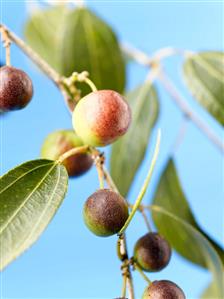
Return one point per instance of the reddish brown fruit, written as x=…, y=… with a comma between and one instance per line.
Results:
x=105, y=212
x=163, y=289
x=152, y=252
x=16, y=89
x=59, y=142
x=101, y=117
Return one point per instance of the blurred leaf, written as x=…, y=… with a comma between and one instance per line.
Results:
x=210, y=292
x=170, y=196
x=204, y=76
x=89, y=44
x=195, y=243
x=77, y=40
x=43, y=33
x=30, y=195
x=129, y=151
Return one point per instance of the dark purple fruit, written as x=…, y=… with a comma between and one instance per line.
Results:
x=105, y=212
x=163, y=289
x=152, y=252
x=59, y=142
x=16, y=89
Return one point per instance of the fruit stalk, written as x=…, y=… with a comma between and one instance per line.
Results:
x=7, y=43
x=73, y=151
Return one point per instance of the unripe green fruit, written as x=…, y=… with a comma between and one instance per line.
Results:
x=105, y=212
x=59, y=142
x=101, y=117
x=16, y=89
x=163, y=289
x=152, y=252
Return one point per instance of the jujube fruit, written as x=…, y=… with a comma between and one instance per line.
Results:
x=101, y=117
x=16, y=89
x=105, y=212
x=163, y=289
x=59, y=142
x=152, y=252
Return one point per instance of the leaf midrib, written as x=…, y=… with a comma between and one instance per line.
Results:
x=25, y=241
x=27, y=198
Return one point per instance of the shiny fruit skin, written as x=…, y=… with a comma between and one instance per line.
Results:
x=152, y=252
x=105, y=212
x=101, y=117
x=16, y=89
x=59, y=142
x=163, y=289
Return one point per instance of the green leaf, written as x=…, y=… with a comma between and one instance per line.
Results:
x=88, y=43
x=129, y=151
x=30, y=195
x=76, y=40
x=170, y=196
x=43, y=33
x=195, y=243
x=204, y=76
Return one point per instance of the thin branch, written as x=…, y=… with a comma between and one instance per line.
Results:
x=41, y=63
x=180, y=135
x=183, y=105
x=148, y=61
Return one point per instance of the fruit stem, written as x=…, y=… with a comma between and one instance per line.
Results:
x=142, y=211
x=73, y=151
x=124, y=286
x=145, y=184
x=6, y=43
x=91, y=84
x=142, y=273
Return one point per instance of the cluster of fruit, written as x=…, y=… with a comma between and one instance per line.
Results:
x=98, y=119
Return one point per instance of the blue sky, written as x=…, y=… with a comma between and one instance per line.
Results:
x=68, y=261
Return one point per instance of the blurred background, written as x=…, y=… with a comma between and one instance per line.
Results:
x=68, y=261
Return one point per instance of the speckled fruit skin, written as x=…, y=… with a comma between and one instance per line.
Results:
x=59, y=142
x=105, y=212
x=101, y=117
x=163, y=289
x=16, y=89
x=152, y=252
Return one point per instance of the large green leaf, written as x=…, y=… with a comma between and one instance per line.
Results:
x=89, y=44
x=43, y=33
x=30, y=194
x=128, y=152
x=77, y=40
x=170, y=196
x=195, y=243
x=204, y=76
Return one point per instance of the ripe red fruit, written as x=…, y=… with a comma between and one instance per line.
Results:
x=59, y=142
x=163, y=289
x=16, y=89
x=101, y=117
x=105, y=212
x=152, y=252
